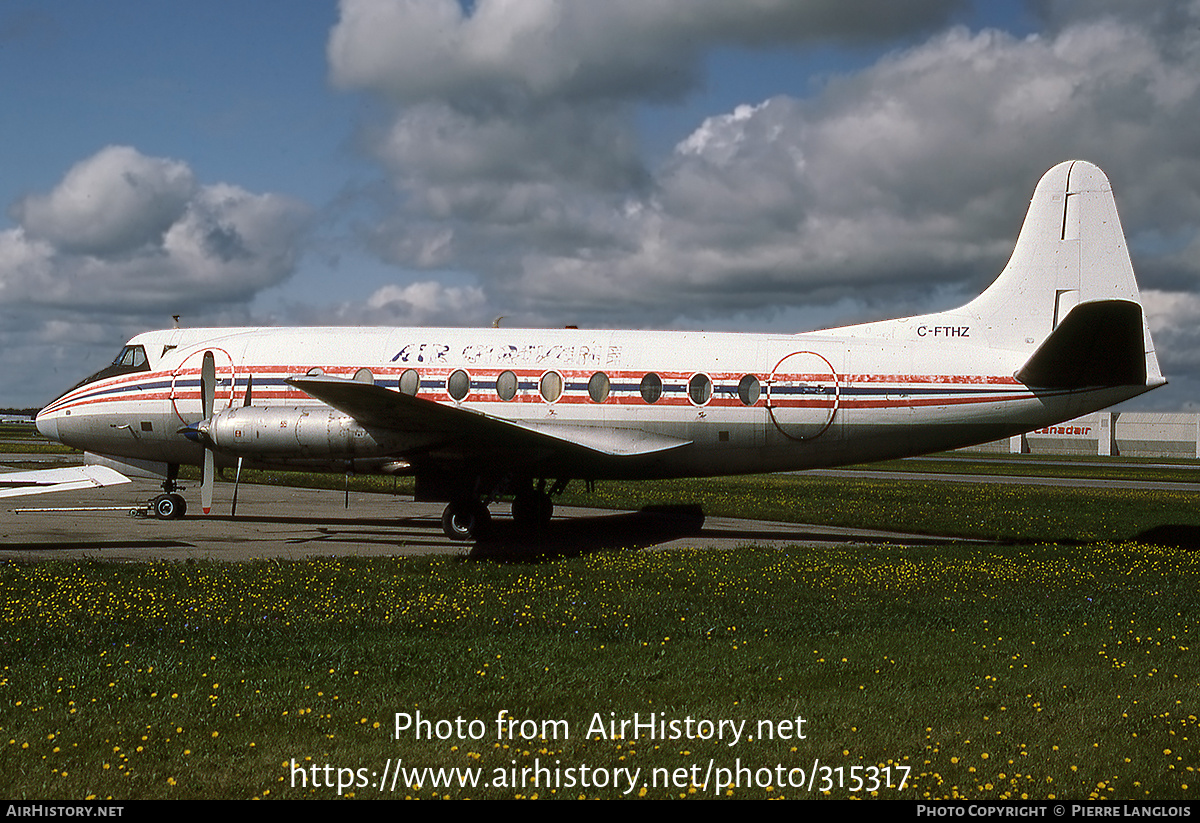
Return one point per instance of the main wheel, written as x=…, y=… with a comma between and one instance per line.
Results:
x=465, y=520
x=532, y=509
x=169, y=506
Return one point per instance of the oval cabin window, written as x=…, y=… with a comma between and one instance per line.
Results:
x=700, y=389
x=749, y=390
x=410, y=382
x=506, y=385
x=458, y=385
x=651, y=388
x=598, y=387
x=551, y=386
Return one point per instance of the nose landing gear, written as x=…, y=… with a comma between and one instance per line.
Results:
x=169, y=506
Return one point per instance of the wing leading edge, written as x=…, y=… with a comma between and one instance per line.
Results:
x=375, y=406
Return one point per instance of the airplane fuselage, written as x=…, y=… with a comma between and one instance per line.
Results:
x=742, y=402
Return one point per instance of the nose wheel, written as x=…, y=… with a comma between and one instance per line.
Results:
x=168, y=506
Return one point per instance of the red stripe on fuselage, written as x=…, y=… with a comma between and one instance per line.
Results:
x=618, y=397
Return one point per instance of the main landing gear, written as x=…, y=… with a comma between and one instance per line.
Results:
x=465, y=519
x=532, y=508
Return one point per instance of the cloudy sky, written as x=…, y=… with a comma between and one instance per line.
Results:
x=759, y=165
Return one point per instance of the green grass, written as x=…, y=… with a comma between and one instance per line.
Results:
x=1172, y=470
x=34, y=447
x=981, y=673
x=1007, y=512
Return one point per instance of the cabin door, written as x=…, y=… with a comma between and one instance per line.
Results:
x=803, y=395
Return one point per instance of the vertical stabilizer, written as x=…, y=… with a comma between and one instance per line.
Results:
x=1071, y=251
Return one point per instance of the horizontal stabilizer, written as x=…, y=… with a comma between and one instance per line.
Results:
x=1097, y=344
x=376, y=406
x=42, y=481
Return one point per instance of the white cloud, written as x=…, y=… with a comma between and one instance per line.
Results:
x=113, y=203
x=915, y=169
x=514, y=143
x=427, y=303
x=138, y=234
x=503, y=51
x=121, y=243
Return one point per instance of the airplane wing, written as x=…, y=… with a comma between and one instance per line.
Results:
x=42, y=481
x=376, y=406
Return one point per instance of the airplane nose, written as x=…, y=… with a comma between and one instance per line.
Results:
x=47, y=424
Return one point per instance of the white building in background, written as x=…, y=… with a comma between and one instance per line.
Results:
x=1127, y=434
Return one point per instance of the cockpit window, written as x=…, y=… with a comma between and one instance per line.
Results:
x=132, y=357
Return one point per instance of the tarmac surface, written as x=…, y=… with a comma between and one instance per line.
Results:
x=277, y=522
x=280, y=522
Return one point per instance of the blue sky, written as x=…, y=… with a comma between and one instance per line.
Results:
x=238, y=90
x=651, y=164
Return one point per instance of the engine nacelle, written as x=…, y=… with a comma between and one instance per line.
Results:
x=290, y=431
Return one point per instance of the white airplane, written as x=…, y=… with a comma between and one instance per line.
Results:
x=480, y=414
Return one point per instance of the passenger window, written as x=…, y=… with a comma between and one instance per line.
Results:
x=410, y=382
x=749, y=390
x=551, y=386
x=651, y=388
x=506, y=385
x=700, y=389
x=458, y=384
x=598, y=387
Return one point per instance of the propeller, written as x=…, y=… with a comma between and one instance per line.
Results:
x=199, y=432
x=208, y=390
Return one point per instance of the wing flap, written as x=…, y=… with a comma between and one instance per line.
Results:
x=373, y=405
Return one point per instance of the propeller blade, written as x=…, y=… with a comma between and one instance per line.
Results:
x=208, y=384
x=249, y=389
x=208, y=392
x=206, y=481
x=237, y=478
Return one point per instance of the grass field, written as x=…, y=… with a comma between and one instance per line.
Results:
x=1059, y=664
x=1064, y=672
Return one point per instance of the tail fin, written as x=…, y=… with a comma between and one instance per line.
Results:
x=1071, y=261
